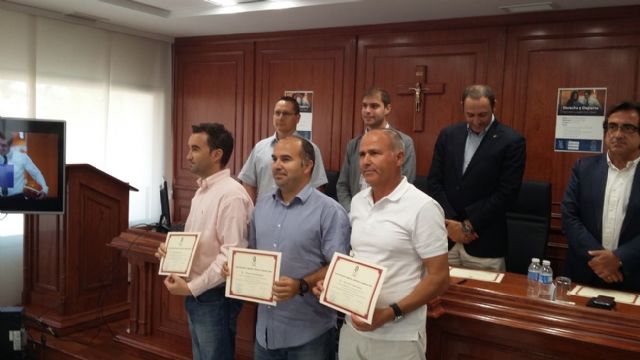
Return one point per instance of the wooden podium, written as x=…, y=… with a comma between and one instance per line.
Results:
x=72, y=280
x=158, y=321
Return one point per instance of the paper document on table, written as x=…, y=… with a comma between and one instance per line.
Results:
x=622, y=297
x=476, y=274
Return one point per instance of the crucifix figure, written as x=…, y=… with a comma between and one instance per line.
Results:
x=420, y=89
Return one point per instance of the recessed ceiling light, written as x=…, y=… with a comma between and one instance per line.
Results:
x=521, y=8
x=138, y=6
x=223, y=2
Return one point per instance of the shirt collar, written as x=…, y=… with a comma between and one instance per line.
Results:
x=303, y=195
x=387, y=126
x=213, y=179
x=274, y=137
x=630, y=164
x=395, y=195
x=484, y=131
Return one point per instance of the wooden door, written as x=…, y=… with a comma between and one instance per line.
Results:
x=544, y=57
x=322, y=64
x=213, y=83
x=448, y=60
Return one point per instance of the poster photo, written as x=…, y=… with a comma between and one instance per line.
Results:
x=579, y=117
x=305, y=101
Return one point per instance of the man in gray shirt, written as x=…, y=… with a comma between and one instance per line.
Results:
x=376, y=107
x=256, y=172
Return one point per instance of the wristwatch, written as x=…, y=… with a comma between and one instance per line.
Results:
x=397, y=313
x=466, y=229
x=304, y=287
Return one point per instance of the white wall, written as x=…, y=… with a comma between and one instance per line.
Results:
x=114, y=92
x=11, y=259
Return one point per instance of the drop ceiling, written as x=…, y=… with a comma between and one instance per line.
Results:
x=167, y=19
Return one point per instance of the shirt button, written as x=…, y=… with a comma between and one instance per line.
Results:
x=274, y=245
x=278, y=225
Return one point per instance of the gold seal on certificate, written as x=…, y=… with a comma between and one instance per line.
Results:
x=352, y=286
x=181, y=248
x=252, y=274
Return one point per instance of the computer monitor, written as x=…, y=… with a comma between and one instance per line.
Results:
x=164, y=224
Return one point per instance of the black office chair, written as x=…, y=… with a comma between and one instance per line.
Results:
x=421, y=183
x=332, y=181
x=528, y=225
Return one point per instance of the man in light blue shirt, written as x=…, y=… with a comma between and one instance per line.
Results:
x=256, y=171
x=307, y=227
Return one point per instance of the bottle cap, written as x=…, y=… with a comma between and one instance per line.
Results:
x=535, y=260
x=546, y=262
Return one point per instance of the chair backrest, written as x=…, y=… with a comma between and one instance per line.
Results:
x=332, y=181
x=528, y=225
x=421, y=183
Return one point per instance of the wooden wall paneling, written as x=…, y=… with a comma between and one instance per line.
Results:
x=213, y=83
x=322, y=64
x=455, y=58
x=544, y=57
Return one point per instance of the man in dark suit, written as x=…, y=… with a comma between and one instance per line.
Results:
x=601, y=208
x=475, y=175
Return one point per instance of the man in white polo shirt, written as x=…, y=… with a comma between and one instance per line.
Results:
x=397, y=226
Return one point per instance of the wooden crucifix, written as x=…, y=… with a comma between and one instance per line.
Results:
x=418, y=91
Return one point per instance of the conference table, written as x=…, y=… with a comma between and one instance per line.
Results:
x=485, y=320
x=472, y=320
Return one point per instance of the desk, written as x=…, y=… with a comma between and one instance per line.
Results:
x=481, y=320
x=158, y=321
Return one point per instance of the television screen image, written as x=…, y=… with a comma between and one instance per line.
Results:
x=32, y=163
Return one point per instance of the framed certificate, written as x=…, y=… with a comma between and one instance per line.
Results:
x=352, y=286
x=252, y=274
x=181, y=248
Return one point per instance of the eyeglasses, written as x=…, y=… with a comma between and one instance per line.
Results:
x=625, y=128
x=282, y=113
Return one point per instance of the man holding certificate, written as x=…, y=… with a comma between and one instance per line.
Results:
x=307, y=228
x=396, y=226
x=220, y=211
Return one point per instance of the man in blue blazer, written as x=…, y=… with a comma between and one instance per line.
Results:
x=476, y=175
x=601, y=208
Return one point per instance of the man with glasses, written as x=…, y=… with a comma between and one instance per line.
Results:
x=601, y=208
x=256, y=173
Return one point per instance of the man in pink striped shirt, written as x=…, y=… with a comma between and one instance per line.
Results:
x=220, y=210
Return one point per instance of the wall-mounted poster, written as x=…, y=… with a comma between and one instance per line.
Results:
x=579, y=118
x=305, y=101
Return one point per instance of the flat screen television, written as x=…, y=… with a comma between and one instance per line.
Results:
x=32, y=164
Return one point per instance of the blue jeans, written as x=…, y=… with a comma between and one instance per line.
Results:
x=212, y=323
x=321, y=348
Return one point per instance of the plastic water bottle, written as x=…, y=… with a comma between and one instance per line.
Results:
x=546, y=281
x=532, y=276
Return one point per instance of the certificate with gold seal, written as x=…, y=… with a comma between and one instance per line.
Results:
x=181, y=249
x=252, y=274
x=352, y=286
